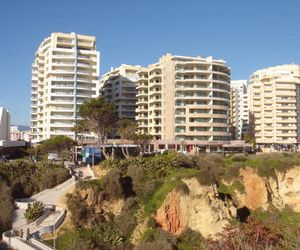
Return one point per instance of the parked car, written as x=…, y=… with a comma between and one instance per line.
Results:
x=3, y=159
x=54, y=157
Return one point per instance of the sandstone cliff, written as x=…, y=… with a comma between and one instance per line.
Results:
x=262, y=191
x=201, y=210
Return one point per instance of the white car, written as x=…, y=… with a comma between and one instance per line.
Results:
x=53, y=156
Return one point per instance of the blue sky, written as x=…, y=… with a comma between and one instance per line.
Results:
x=249, y=35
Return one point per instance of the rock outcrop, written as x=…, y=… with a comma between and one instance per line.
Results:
x=289, y=188
x=200, y=210
x=256, y=193
x=98, y=201
x=261, y=191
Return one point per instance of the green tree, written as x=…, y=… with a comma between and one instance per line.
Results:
x=143, y=140
x=79, y=128
x=126, y=130
x=61, y=145
x=100, y=117
x=248, y=138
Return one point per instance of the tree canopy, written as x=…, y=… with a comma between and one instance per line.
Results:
x=60, y=144
x=126, y=130
x=100, y=117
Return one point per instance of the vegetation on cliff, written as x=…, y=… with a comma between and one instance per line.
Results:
x=21, y=179
x=142, y=184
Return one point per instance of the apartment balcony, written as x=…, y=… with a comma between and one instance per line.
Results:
x=67, y=94
x=62, y=132
x=84, y=57
x=71, y=56
x=291, y=108
x=61, y=102
x=143, y=78
x=57, y=86
x=142, y=94
x=62, y=125
x=286, y=127
x=142, y=109
x=154, y=84
x=290, y=134
x=278, y=120
x=69, y=63
x=65, y=79
x=142, y=86
x=279, y=100
x=61, y=117
x=199, y=133
x=86, y=73
x=142, y=117
x=63, y=109
x=286, y=87
x=142, y=102
x=286, y=94
x=220, y=98
x=282, y=114
x=86, y=80
x=83, y=95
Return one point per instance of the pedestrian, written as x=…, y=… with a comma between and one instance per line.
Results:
x=21, y=233
x=27, y=234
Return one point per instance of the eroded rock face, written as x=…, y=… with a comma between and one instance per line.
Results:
x=256, y=193
x=200, y=210
x=262, y=191
x=288, y=190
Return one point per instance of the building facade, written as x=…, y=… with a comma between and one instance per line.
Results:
x=119, y=86
x=239, y=113
x=274, y=104
x=4, y=124
x=184, y=98
x=64, y=75
x=17, y=134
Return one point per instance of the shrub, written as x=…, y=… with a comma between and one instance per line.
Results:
x=145, y=191
x=34, y=211
x=6, y=207
x=183, y=188
x=251, y=235
x=190, y=240
x=154, y=245
x=236, y=186
x=113, y=184
x=137, y=175
x=232, y=172
x=156, y=238
x=26, y=178
x=102, y=236
x=183, y=161
x=238, y=158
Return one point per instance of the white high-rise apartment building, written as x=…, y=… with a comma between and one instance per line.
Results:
x=183, y=98
x=4, y=124
x=274, y=104
x=239, y=113
x=119, y=86
x=64, y=74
